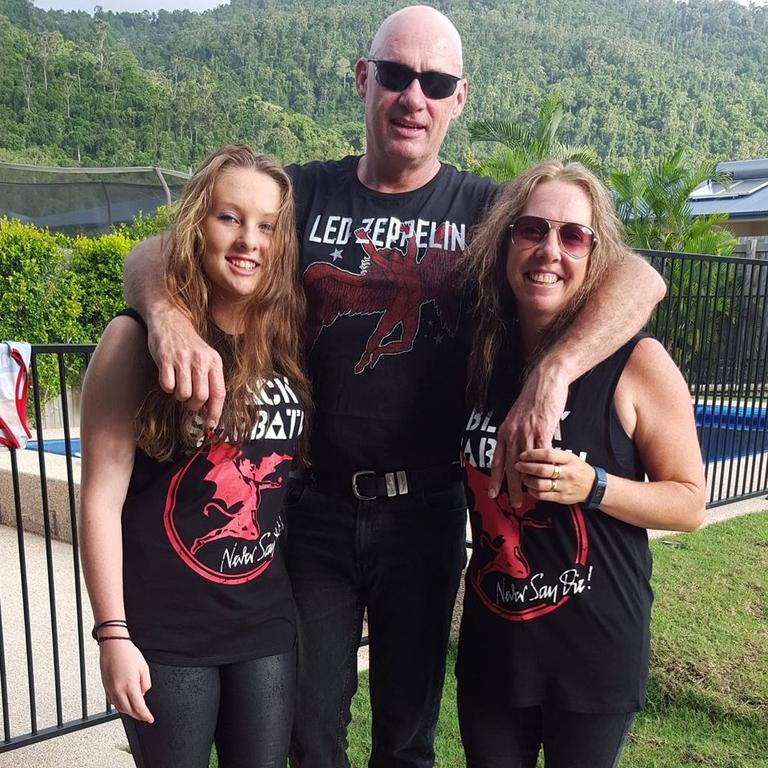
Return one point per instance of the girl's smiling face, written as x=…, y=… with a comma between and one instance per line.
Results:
x=238, y=232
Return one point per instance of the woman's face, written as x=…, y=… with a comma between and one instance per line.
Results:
x=543, y=277
x=238, y=233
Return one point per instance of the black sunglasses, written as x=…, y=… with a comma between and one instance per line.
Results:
x=576, y=240
x=397, y=77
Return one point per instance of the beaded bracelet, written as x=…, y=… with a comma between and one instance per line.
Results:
x=122, y=623
x=100, y=640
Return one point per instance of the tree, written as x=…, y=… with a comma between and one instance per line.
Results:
x=653, y=205
x=522, y=147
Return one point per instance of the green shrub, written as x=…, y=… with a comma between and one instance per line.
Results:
x=143, y=226
x=40, y=297
x=98, y=264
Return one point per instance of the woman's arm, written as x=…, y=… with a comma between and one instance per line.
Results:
x=114, y=387
x=188, y=368
x=617, y=309
x=654, y=407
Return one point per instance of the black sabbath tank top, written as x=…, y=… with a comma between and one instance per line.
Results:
x=204, y=576
x=558, y=598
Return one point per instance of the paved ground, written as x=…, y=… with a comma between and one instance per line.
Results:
x=102, y=746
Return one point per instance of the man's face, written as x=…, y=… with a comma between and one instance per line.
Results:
x=406, y=127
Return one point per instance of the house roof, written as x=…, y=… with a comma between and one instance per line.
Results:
x=745, y=198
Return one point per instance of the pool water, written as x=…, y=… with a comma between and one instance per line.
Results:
x=57, y=446
x=730, y=431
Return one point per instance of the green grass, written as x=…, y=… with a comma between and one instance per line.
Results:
x=708, y=692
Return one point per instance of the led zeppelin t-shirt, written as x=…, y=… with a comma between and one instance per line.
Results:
x=387, y=330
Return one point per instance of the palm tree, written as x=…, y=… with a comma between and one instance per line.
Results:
x=521, y=147
x=653, y=204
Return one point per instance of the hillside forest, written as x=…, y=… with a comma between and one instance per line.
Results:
x=640, y=78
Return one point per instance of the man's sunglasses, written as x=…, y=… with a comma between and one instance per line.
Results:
x=397, y=77
x=576, y=240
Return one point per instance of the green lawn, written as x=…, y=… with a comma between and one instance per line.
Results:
x=708, y=694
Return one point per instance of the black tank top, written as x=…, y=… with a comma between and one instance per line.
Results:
x=204, y=577
x=558, y=598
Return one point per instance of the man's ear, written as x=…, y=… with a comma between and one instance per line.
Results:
x=361, y=78
x=460, y=99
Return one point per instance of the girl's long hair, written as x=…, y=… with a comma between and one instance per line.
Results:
x=272, y=342
x=485, y=263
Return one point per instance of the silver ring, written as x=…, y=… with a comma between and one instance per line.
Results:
x=553, y=486
x=555, y=471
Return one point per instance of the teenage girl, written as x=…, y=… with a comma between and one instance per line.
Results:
x=181, y=528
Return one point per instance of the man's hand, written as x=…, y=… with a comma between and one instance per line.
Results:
x=188, y=368
x=530, y=423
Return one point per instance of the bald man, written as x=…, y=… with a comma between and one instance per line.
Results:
x=378, y=524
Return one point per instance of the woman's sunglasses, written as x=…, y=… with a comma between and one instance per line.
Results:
x=576, y=240
x=397, y=77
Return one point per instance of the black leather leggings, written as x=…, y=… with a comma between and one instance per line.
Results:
x=245, y=708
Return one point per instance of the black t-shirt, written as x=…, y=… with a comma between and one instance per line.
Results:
x=558, y=598
x=203, y=573
x=388, y=335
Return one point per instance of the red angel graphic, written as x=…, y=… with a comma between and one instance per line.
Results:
x=239, y=484
x=391, y=283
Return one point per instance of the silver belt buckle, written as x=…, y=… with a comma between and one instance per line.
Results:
x=396, y=483
x=362, y=473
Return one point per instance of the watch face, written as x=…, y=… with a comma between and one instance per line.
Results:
x=598, y=489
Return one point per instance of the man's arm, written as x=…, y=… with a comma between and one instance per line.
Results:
x=616, y=311
x=188, y=367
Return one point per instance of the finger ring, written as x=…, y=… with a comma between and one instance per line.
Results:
x=553, y=486
x=555, y=471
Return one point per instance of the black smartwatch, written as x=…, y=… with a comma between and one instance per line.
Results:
x=598, y=489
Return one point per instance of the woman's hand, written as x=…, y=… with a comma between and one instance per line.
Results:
x=550, y=474
x=125, y=675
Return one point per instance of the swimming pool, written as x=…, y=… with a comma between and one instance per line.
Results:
x=731, y=431
x=57, y=446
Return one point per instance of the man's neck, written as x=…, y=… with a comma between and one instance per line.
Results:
x=386, y=177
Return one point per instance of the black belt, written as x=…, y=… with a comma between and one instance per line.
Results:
x=368, y=484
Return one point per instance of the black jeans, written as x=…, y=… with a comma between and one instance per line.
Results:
x=400, y=559
x=496, y=735
x=246, y=708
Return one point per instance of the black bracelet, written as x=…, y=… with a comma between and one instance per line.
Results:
x=100, y=640
x=598, y=489
x=122, y=623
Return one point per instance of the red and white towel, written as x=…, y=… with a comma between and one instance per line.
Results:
x=14, y=384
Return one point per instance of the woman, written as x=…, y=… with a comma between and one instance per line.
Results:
x=554, y=640
x=181, y=531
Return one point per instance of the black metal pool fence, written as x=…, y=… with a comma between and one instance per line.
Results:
x=713, y=321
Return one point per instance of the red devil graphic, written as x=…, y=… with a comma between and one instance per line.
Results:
x=238, y=493
x=502, y=537
x=391, y=283
x=503, y=527
x=238, y=487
